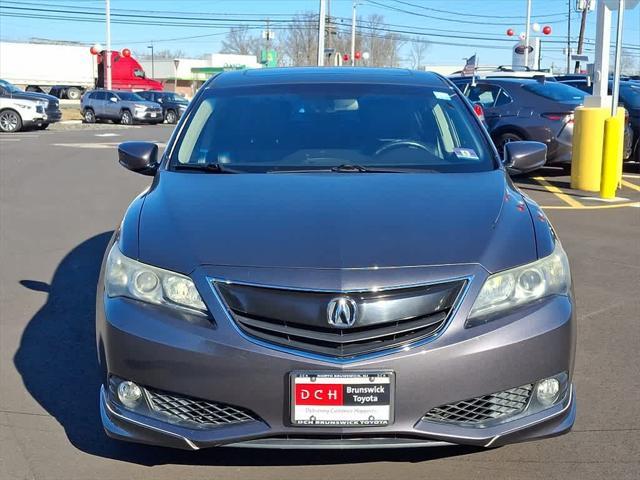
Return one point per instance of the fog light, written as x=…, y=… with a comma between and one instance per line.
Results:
x=129, y=393
x=547, y=391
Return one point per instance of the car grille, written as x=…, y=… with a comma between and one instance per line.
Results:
x=299, y=320
x=482, y=409
x=200, y=412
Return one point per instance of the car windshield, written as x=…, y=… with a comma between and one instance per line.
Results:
x=130, y=97
x=556, y=91
x=174, y=97
x=10, y=86
x=320, y=126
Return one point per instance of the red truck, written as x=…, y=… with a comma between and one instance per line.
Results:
x=126, y=73
x=67, y=71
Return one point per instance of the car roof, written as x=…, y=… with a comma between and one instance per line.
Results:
x=301, y=75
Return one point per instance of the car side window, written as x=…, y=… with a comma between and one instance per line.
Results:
x=485, y=95
x=503, y=98
x=99, y=96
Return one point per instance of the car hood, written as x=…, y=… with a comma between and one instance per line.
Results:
x=33, y=96
x=338, y=220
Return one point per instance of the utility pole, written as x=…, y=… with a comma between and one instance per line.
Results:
x=583, y=24
x=321, y=27
x=569, y=37
x=353, y=34
x=153, y=66
x=526, y=35
x=107, y=64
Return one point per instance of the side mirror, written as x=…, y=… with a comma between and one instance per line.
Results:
x=139, y=157
x=113, y=99
x=523, y=157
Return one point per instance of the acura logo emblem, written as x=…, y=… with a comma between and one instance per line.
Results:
x=341, y=312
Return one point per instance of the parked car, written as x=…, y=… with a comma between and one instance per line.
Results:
x=49, y=103
x=173, y=105
x=343, y=263
x=527, y=109
x=121, y=107
x=20, y=113
x=629, y=98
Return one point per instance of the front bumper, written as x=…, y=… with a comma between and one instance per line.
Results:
x=154, y=116
x=191, y=356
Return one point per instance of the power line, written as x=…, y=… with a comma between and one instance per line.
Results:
x=475, y=15
x=444, y=19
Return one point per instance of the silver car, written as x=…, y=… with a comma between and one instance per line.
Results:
x=122, y=107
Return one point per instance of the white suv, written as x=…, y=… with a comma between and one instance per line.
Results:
x=18, y=113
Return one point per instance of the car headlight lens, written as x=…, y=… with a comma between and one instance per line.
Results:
x=125, y=277
x=524, y=284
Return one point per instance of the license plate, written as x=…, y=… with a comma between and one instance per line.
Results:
x=342, y=399
x=153, y=115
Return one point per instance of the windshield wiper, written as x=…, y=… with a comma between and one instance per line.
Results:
x=212, y=167
x=351, y=168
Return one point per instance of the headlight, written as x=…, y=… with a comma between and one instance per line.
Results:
x=125, y=277
x=140, y=107
x=43, y=104
x=521, y=285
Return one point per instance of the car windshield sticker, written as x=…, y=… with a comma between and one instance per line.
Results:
x=468, y=153
x=441, y=95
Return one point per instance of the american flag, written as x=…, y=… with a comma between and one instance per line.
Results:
x=470, y=66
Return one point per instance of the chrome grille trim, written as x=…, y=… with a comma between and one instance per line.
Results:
x=433, y=327
x=483, y=409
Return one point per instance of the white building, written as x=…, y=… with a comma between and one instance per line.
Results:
x=190, y=73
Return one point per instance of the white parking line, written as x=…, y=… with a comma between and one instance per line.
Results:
x=96, y=145
x=106, y=135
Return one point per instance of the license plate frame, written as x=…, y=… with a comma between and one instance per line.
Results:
x=335, y=377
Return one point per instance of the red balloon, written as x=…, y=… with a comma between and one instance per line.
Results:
x=546, y=30
x=345, y=57
x=358, y=55
x=510, y=32
x=93, y=50
x=126, y=52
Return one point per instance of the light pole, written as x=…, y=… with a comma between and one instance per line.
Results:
x=353, y=34
x=176, y=62
x=321, y=27
x=107, y=64
x=153, y=69
x=526, y=36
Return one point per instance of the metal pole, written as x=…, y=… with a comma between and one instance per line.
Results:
x=321, y=27
x=353, y=34
x=107, y=72
x=616, y=68
x=153, y=64
x=583, y=24
x=526, y=35
x=569, y=38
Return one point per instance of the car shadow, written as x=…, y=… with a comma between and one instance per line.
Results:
x=57, y=361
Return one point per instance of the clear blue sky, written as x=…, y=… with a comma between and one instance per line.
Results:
x=471, y=19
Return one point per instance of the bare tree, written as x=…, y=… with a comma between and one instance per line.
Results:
x=240, y=41
x=418, y=52
x=299, y=43
x=629, y=63
x=383, y=47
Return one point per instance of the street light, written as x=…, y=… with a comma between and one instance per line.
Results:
x=153, y=70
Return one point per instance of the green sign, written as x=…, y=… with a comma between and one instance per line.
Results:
x=269, y=58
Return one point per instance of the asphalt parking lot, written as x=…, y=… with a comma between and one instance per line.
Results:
x=62, y=193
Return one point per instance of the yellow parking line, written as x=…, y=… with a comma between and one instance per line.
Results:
x=573, y=203
x=590, y=207
x=632, y=186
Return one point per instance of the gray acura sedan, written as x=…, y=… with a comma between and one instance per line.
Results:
x=334, y=258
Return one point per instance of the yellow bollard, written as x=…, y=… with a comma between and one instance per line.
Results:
x=588, y=140
x=612, y=154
